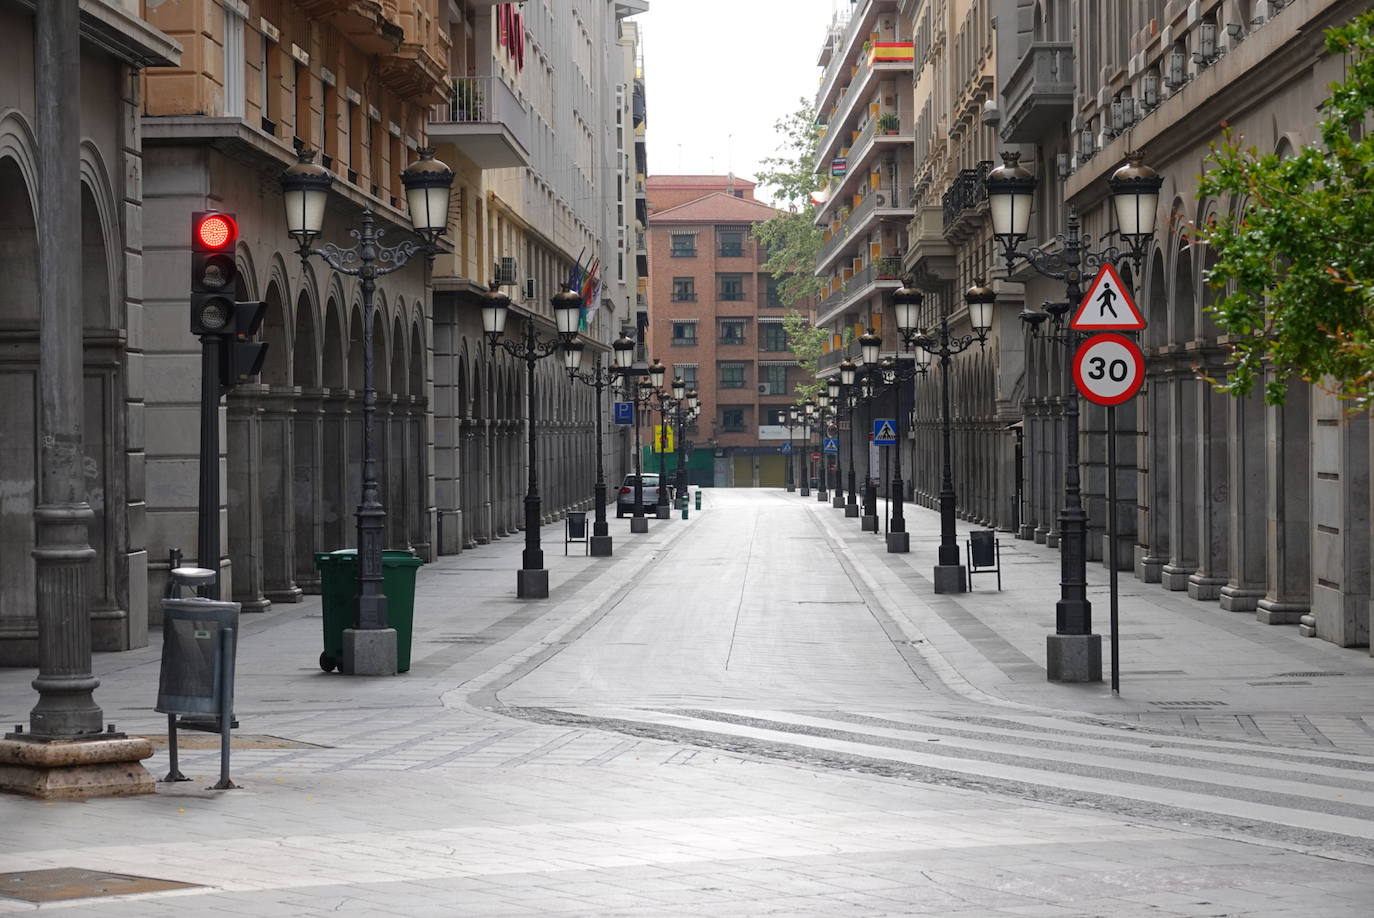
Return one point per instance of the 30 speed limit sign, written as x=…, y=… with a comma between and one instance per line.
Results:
x=1108, y=369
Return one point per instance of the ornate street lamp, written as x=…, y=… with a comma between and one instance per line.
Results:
x=598, y=377
x=1074, y=653
x=823, y=470
x=532, y=580
x=950, y=575
x=369, y=647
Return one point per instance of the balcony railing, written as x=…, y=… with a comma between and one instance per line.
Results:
x=887, y=269
x=684, y=296
x=1039, y=93
x=485, y=117
x=966, y=192
x=730, y=250
x=730, y=296
x=683, y=253
x=883, y=197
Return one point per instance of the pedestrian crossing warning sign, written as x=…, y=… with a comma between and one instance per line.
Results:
x=832, y=444
x=1107, y=307
x=884, y=432
x=785, y=449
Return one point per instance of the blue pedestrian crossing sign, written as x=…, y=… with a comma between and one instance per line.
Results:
x=785, y=449
x=624, y=412
x=832, y=444
x=884, y=432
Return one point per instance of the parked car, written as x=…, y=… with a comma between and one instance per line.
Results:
x=625, y=500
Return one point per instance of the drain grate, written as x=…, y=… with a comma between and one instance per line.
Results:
x=60, y=883
x=1189, y=704
x=1307, y=675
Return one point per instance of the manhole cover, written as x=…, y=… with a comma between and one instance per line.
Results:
x=188, y=740
x=1189, y=704
x=60, y=883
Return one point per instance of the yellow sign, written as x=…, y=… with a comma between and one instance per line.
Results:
x=663, y=437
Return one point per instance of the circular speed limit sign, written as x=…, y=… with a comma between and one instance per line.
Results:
x=1108, y=369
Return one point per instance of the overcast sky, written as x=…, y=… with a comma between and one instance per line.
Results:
x=719, y=73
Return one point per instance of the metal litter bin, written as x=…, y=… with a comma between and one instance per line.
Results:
x=199, y=645
x=339, y=589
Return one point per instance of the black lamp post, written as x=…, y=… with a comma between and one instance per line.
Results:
x=870, y=346
x=823, y=464
x=1074, y=653
x=950, y=575
x=848, y=372
x=686, y=401
x=657, y=398
x=369, y=648
x=532, y=580
x=638, y=391
x=839, y=408
x=808, y=419
x=599, y=377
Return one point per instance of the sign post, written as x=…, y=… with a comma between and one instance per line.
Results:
x=1109, y=369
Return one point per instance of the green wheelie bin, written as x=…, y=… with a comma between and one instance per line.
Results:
x=339, y=587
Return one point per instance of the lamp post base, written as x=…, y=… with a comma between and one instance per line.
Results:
x=822, y=496
x=951, y=578
x=837, y=502
x=369, y=652
x=805, y=491
x=663, y=512
x=791, y=488
x=100, y=765
x=869, y=523
x=601, y=546
x=639, y=524
x=532, y=583
x=851, y=510
x=1073, y=657
x=898, y=543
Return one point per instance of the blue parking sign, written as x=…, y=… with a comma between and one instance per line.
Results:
x=624, y=412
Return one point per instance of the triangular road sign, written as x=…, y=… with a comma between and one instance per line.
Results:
x=1107, y=306
x=884, y=432
x=785, y=448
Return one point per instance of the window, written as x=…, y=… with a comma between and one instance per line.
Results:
x=684, y=334
x=772, y=336
x=732, y=376
x=776, y=417
x=775, y=378
x=684, y=245
x=329, y=126
x=731, y=286
x=730, y=243
x=684, y=290
x=731, y=331
x=688, y=372
x=732, y=420
x=235, y=53
x=773, y=298
x=270, y=73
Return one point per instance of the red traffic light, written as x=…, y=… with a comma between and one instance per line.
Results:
x=216, y=231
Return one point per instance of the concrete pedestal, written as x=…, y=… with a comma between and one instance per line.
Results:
x=532, y=584
x=1272, y=612
x=663, y=512
x=1203, y=587
x=822, y=496
x=601, y=546
x=1026, y=532
x=74, y=769
x=898, y=542
x=851, y=510
x=805, y=491
x=869, y=524
x=369, y=652
x=1073, y=657
x=838, y=501
x=951, y=578
x=791, y=488
x=1240, y=599
x=639, y=524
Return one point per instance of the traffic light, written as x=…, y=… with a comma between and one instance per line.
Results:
x=213, y=272
x=240, y=357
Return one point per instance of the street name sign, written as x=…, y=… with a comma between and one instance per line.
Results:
x=884, y=432
x=832, y=445
x=1107, y=307
x=624, y=412
x=1108, y=369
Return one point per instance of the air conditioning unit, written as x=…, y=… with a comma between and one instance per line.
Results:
x=530, y=288
x=879, y=200
x=765, y=388
x=505, y=271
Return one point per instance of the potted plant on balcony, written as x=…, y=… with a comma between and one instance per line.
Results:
x=466, y=99
x=888, y=123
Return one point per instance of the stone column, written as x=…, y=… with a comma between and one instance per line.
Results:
x=1185, y=478
x=1246, y=517
x=336, y=470
x=1153, y=551
x=307, y=456
x=1213, y=471
x=1340, y=513
x=278, y=494
x=1288, y=594
x=244, y=496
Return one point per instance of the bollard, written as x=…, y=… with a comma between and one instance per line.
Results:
x=698, y=498
x=684, y=510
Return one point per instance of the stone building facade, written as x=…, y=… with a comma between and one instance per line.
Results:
x=116, y=44
x=716, y=322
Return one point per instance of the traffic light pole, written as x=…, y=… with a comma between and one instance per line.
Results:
x=207, y=516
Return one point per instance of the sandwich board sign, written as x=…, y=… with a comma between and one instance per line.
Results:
x=884, y=432
x=1107, y=307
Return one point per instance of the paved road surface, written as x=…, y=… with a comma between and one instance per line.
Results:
x=756, y=712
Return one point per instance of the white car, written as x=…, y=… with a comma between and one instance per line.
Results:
x=625, y=499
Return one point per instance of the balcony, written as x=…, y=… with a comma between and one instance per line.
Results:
x=879, y=202
x=684, y=296
x=362, y=23
x=965, y=200
x=680, y=252
x=485, y=120
x=859, y=93
x=1039, y=93
x=730, y=250
x=884, y=274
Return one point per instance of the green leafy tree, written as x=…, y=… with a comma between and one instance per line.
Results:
x=807, y=343
x=791, y=238
x=1295, y=265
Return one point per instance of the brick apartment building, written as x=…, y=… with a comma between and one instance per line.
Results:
x=715, y=320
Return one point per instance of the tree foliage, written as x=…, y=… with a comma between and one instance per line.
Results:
x=807, y=343
x=791, y=239
x=1294, y=263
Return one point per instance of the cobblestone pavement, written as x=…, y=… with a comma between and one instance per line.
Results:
x=757, y=711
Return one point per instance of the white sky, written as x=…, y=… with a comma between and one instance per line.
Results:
x=718, y=73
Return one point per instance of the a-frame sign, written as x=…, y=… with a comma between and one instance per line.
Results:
x=1107, y=307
